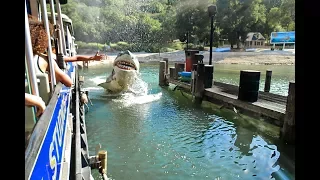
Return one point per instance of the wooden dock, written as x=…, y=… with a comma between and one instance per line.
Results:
x=269, y=105
x=273, y=108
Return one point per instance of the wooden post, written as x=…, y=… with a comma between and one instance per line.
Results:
x=199, y=88
x=193, y=78
x=85, y=64
x=102, y=156
x=162, y=73
x=268, y=81
x=208, y=76
x=172, y=72
x=288, y=133
x=249, y=85
x=167, y=64
x=179, y=68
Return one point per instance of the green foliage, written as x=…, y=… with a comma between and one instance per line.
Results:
x=176, y=46
x=150, y=25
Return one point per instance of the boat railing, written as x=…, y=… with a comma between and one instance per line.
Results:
x=50, y=137
x=39, y=132
x=30, y=71
x=57, y=147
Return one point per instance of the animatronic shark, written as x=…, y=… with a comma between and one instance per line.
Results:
x=125, y=69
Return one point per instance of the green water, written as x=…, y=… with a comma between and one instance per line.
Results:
x=162, y=135
x=281, y=75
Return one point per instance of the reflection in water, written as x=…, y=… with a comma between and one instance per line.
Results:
x=154, y=136
x=243, y=139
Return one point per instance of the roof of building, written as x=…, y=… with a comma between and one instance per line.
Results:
x=254, y=36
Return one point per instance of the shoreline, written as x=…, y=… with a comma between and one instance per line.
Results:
x=246, y=58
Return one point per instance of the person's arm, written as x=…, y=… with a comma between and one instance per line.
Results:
x=33, y=100
x=96, y=57
x=62, y=76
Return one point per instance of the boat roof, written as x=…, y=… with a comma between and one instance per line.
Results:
x=64, y=17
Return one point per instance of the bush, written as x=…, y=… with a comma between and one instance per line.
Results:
x=94, y=46
x=167, y=49
x=176, y=45
x=122, y=46
x=201, y=48
x=136, y=47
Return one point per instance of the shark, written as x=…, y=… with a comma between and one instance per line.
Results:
x=124, y=73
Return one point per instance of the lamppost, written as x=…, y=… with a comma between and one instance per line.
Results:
x=187, y=35
x=97, y=22
x=189, y=30
x=212, y=10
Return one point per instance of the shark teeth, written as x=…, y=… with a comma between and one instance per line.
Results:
x=125, y=65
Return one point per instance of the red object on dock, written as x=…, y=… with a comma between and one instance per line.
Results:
x=188, y=64
x=190, y=59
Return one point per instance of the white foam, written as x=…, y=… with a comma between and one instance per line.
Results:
x=93, y=88
x=137, y=94
x=130, y=99
x=98, y=79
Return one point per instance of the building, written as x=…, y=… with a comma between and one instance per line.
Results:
x=254, y=39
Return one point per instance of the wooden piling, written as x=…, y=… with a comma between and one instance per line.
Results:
x=167, y=64
x=179, y=67
x=199, y=88
x=198, y=58
x=288, y=133
x=268, y=81
x=193, y=78
x=102, y=156
x=208, y=76
x=162, y=73
x=85, y=64
x=172, y=72
x=249, y=85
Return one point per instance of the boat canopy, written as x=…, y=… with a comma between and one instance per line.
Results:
x=61, y=1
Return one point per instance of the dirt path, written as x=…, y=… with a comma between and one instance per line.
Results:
x=254, y=58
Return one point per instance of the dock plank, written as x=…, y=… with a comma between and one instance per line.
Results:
x=268, y=105
x=266, y=108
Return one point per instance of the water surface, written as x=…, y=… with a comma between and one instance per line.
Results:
x=160, y=134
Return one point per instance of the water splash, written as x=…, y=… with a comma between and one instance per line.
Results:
x=98, y=80
x=137, y=94
x=140, y=87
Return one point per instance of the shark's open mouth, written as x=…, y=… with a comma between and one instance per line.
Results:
x=125, y=65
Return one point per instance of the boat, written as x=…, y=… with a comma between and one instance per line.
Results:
x=226, y=49
x=56, y=144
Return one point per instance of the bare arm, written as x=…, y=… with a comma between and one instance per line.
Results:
x=33, y=100
x=62, y=76
x=97, y=57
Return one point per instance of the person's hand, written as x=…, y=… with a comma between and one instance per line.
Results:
x=98, y=57
x=33, y=100
x=41, y=106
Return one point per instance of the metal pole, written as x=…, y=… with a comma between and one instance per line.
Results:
x=46, y=25
x=78, y=162
x=211, y=41
x=64, y=51
x=53, y=17
x=187, y=40
x=31, y=73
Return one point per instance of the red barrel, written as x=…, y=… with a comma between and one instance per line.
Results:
x=190, y=59
x=188, y=64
